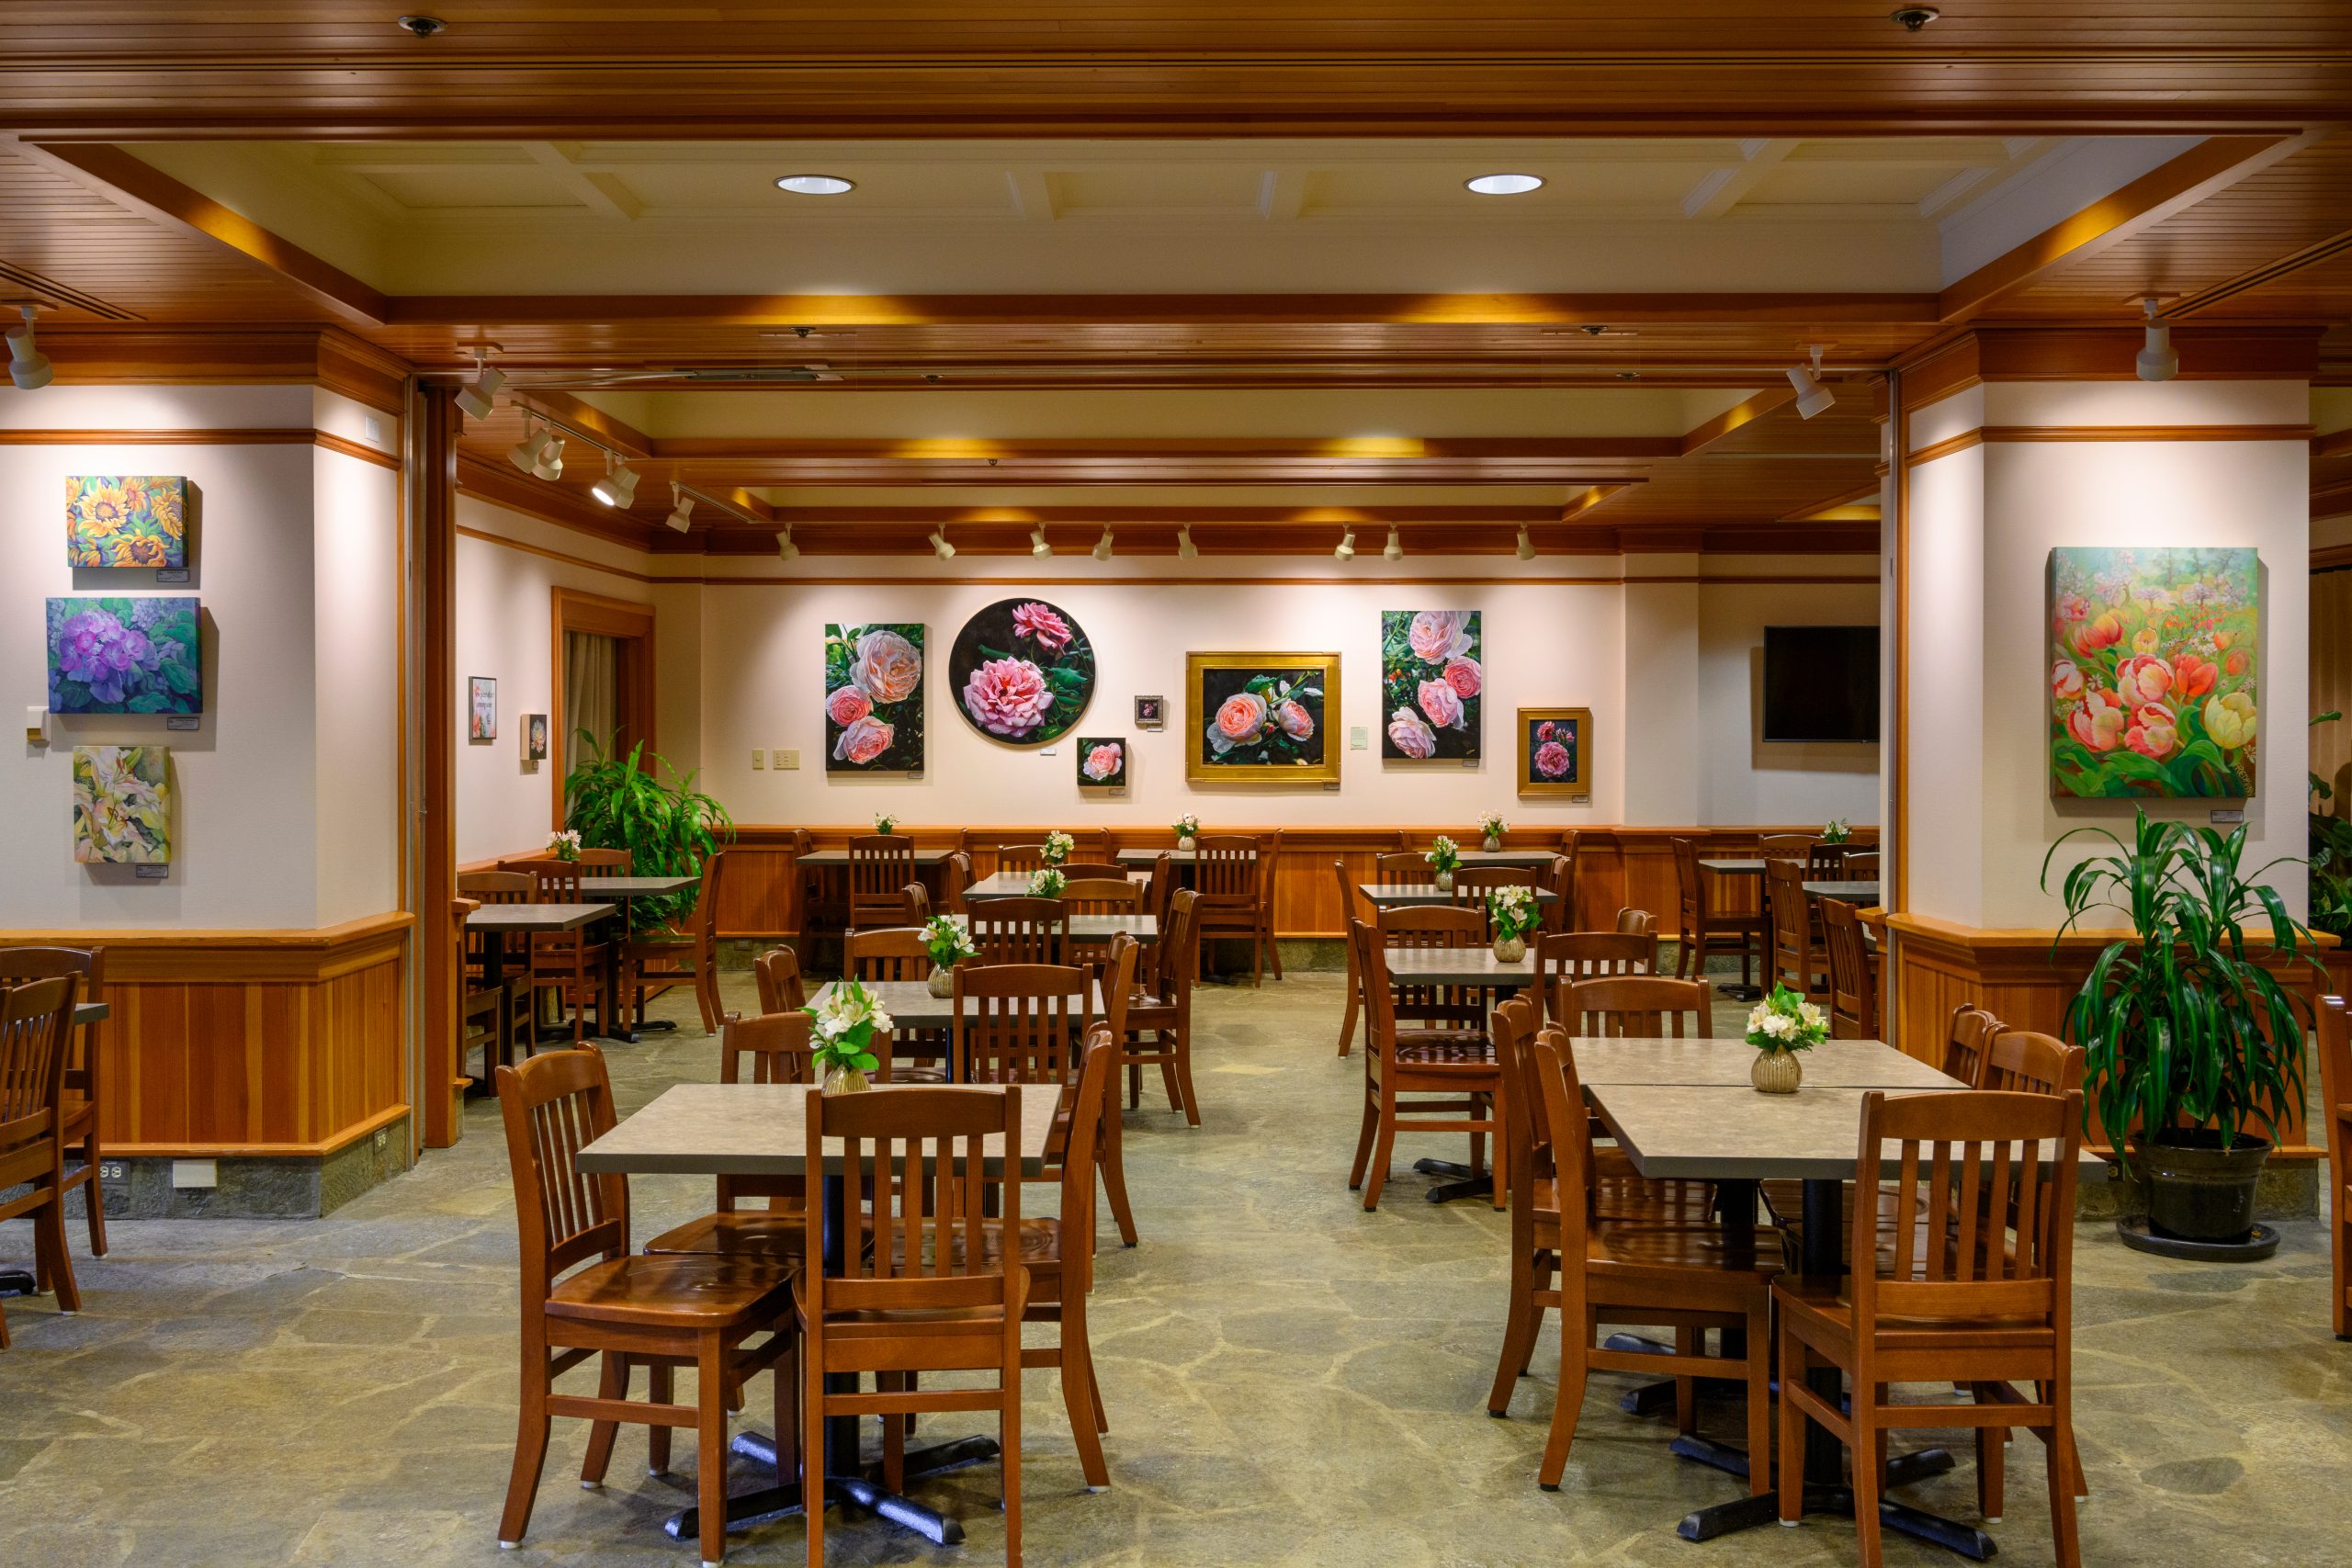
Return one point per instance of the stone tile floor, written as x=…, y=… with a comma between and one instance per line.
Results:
x=1290, y=1381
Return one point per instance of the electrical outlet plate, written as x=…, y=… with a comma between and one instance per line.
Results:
x=787, y=758
x=110, y=1170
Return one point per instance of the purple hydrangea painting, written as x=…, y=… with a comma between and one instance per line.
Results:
x=122, y=655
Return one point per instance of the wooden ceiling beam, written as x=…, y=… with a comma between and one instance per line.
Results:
x=1744, y=413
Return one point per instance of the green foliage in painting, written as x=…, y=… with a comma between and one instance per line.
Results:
x=1432, y=684
x=126, y=520
x=122, y=805
x=874, y=698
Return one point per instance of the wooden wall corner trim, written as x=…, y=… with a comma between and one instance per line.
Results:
x=328, y=441
x=341, y=1138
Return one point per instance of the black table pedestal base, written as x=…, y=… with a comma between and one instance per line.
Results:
x=1465, y=1183
x=1747, y=1513
x=863, y=1490
x=16, y=1282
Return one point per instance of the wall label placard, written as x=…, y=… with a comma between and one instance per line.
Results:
x=182, y=721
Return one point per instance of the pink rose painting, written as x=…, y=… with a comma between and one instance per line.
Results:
x=1431, y=665
x=874, y=698
x=1553, y=760
x=1102, y=762
x=1254, y=715
x=1553, y=752
x=1022, y=671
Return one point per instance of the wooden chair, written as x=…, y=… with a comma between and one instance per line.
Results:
x=1853, y=986
x=1354, y=905
x=1019, y=860
x=1428, y=1080
x=584, y=1293
x=1019, y=931
x=898, y=953
x=1638, y=1007
x=1798, y=958
x=1691, y=1276
x=1966, y=1038
x=932, y=1300
x=1402, y=867
x=1641, y=923
x=1706, y=931
x=687, y=955
x=915, y=904
x=2020, y=1061
x=1121, y=965
x=78, y=1110
x=1824, y=862
x=573, y=965
x=1164, y=1009
x=1227, y=869
x=1785, y=846
x=771, y=1048
x=1564, y=958
x=517, y=1008
x=1457, y=1010
x=1559, y=879
x=881, y=866
x=777, y=973
x=1861, y=866
x=1961, y=1298
x=2335, y=1032
x=1159, y=887
x=36, y=1026
x=955, y=879
x=1103, y=896
x=1022, y=1025
x=1093, y=870
x=1474, y=883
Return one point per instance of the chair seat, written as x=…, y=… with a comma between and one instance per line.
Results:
x=1635, y=1248
x=686, y=1291
x=775, y=1236
x=1449, y=1050
x=1828, y=1309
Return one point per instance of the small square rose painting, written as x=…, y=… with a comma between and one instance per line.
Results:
x=114, y=655
x=1102, y=761
x=122, y=805
x=126, y=520
x=1433, y=685
x=2152, y=664
x=873, y=690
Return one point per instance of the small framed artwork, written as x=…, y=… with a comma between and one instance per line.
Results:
x=535, y=737
x=122, y=805
x=126, y=520
x=481, y=707
x=1555, y=751
x=1261, y=717
x=1102, y=761
x=1152, y=713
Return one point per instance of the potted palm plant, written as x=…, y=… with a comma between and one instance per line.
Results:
x=669, y=828
x=2189, y=1040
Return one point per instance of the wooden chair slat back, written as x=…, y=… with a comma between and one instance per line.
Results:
x=1225, y=870
x=1528, y=1144
x=1092, y=869
x=777, y=973
x=1178, y=955
x=1641, y=1005
x=1791, y=911
x=1159, y=889
x=1427, y=1005
x=1431, y=925
x=923, y=1153
x=1120, y=962
x=1565, y=958
x=1023, y=1022
x=1861, y=866
x=775, y=1046
x=498, y=886
x=35, y=1017
x=1966, y=1039
x=1402, y=866
x=1690, y=888
x=2020, y=1061
x=1097, y=1064
x=1103, y=896
x=958, y=876
x=1019, y=931
x=1824, y=862
x=915, y=899
x=1559, y=879
x=1784, y=846
x=1853, y=999
x=1967, y=1161
x=881, y=866
x=1020, y=859
x=554, y=1105
x=608, y=862
x=88, y=965
x=1568, y=1128
x=1481, y=878
x=887, y=953
x=553, y=880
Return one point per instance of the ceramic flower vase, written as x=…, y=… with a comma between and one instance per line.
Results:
x=1492, y=844
x=1509, y=949
x=1445, y=881
x=1776, y=1072
x=1187, y=847
x=941, y=982
x=844, y=1080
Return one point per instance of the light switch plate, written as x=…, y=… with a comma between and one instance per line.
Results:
x=787, y=758
x=1358, y=738
x=759, y=759
x=37, y=725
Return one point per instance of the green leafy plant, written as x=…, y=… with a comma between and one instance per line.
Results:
x=669, y=828
x=2331, y=853
x=948, y=941
x=2181, y=1028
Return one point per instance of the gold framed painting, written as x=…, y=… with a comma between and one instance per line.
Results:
x=1555, y=751
x=1261, y=717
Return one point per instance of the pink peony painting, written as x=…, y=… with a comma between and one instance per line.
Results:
x=1022, y=672
x=874, y=698
x=1433, y=684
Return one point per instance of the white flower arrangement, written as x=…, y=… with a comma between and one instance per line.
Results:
x=1492, y=824
x=885, y=823
x=1047, y=883
x=948, y=941
x=1059, y=845
x=1512, y=910
x=1835, y=832
x=564, y=845
x=846, y=1022
x=1443, y=853
x=1786, y=1022
x=1188, y=826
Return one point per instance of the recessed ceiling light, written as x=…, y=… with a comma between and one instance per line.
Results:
x=1505, y=185
x=815, y=184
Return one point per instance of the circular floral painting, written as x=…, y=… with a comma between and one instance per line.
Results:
x=1022, y=672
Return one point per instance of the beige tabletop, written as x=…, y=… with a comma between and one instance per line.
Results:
x=1103, y=928
x=821, y=858
x=1142, y=859
x=1737, y=867
x=709, y=1129
x=1536, y=858
x=89, y=1012
x=1015, y=884
x=1853, y=892
x=1724, y=1064
x=911, y=1005
x=1393, y=894
x=1458, y=966
x=536, y=917
x=634, y=887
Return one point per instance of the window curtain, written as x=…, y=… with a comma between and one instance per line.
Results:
x=2332, y=682
x=590, y=690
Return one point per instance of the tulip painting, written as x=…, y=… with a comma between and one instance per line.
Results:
x=1022, y=672
x=874, y=692
x=122, y=805
x=1433, y=683
x=126, y=520
x=125, y=656
x=2152, y=673
x=1262, y=715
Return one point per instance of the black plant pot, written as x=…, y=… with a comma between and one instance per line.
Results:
x=2199, y=1190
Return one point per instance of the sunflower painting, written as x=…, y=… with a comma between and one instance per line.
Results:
x=126, y=520
x=122, y=805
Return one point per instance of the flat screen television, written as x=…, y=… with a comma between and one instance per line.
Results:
x=1821, y=684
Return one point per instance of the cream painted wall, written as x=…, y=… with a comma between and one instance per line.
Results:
x=357, y=636
x=1742, y=779
x=1661, y=755
x=1945, y=689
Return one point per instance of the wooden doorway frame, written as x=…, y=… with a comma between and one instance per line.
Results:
x=629, y=623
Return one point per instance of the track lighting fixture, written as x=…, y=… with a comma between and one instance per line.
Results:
x=1347, y=548
x=940, y=547
x=618, y=487
x=784, y=548
x=1393, y=551
x=1185, y=549
x=1812, y=396
x=476, y=400
x=550, y=463
x=1102, y=544
x=2157, y=362
x=527, y=453
x=1526, y=551
x=1038, y=546
x=29, y=367
x=681, y=508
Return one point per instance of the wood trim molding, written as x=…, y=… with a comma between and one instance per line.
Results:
x=503, y=542
x=273, y=435
x=1945, y=448
x=435, y=509
x=341, y=1138
x=2063, y=352
x=871, y=579
x=2147, y=431
x=350, y=448
x=296, y=956
x=2331, y=558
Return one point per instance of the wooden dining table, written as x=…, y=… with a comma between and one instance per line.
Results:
x=761, y=1130
x=1009, y=885
x=1406, y=894
x=622, y=891
x=1844, y=892
x=502, y=922
x=1720, y=1129
x=911, y=1005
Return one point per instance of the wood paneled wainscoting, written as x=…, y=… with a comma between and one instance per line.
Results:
x=1617, y=866
x=277, y=1055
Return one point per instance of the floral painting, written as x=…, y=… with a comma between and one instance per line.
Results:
x=126, y=520
x=1022, y=672
x=1555, y=751
x=2151, y=670
x=122, y=805
x=874, y=698
x=1432, y=684
x=481, y=707
x=1262, y=715
x=125, y=656
x=1102, y=762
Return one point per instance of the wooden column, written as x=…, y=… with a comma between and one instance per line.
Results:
x=437, y=557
